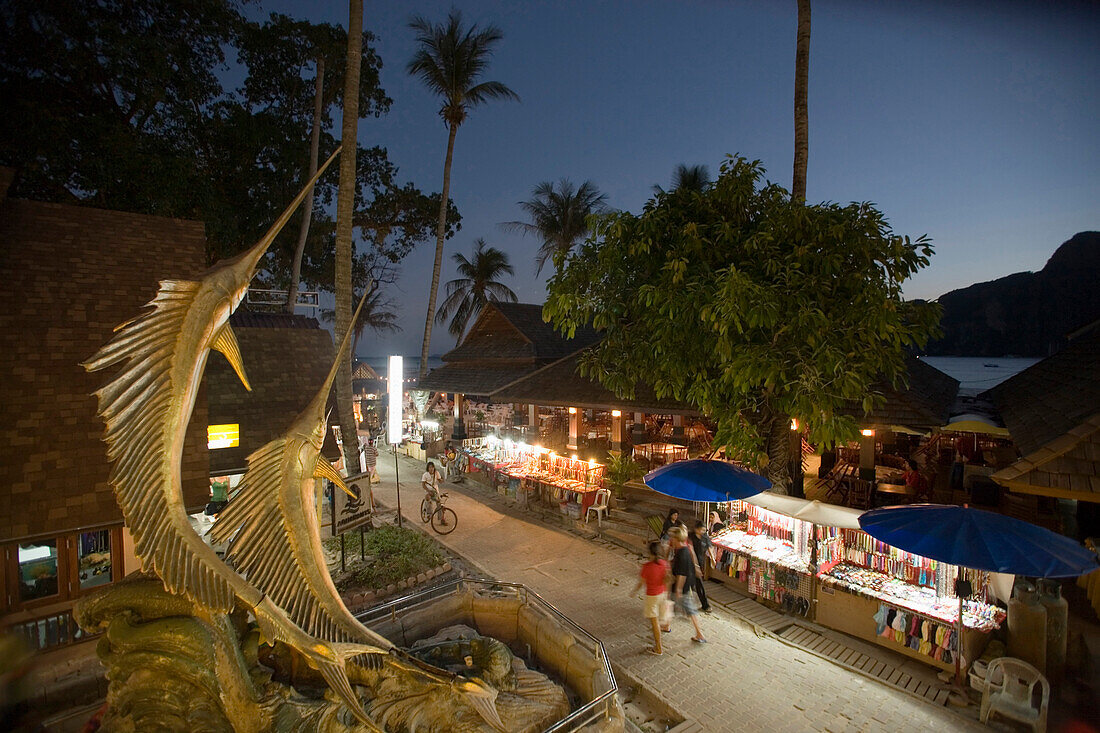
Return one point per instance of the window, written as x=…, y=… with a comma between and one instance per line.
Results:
x=94, y=559
x=37, y=570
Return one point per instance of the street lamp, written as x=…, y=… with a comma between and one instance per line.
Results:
x=397, y=395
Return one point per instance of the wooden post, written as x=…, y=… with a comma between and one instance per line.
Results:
x=867, y=455
x=678, y=436
x=616, y=430
x=574, y=429
x=459, y=431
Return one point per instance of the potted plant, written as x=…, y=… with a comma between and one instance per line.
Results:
x=620, y=469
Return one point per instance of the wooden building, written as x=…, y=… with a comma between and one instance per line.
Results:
x=72, y=273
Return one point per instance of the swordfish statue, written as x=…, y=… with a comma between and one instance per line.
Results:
x=274, y=539
x=161, y=355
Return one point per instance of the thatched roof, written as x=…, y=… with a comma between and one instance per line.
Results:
x=72, y=273
x=1052, y=411
x=561, y=384
x=925, y=402
x=506, y=342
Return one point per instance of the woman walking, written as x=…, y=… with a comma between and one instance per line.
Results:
x=654, y=576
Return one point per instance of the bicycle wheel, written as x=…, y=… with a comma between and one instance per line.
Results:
x=444, y=520
x=425, y=510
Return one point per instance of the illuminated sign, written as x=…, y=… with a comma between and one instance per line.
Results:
x=397, y=395
x=223, y=436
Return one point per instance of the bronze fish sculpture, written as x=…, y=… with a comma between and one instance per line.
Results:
x=274, y=531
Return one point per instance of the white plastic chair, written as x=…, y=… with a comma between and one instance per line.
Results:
x=1012, y=693
x=599, y=506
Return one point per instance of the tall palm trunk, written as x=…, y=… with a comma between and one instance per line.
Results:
x=307, y=207
x=440, y=230
x=801, y=110
x=345, y=208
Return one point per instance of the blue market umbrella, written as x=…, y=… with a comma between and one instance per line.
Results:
x=699, y=480
x=978, y=539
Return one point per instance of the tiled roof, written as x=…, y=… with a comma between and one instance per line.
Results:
x=1053, y=396
x=244, y=318
x=924, y=403
x=285, y=365
x=548, y=342
x=71, y=274
x=561, y=384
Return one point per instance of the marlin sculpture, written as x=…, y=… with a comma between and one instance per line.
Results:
x=275, y=537
x=147, y=407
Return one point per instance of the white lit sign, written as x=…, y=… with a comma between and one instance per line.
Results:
x=396, y=384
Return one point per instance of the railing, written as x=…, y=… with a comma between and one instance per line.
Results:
x=306, y=298
x=579, y=718
x=49, y=632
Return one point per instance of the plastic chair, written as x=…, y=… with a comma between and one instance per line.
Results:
x=1013, y=696
x=599, y=506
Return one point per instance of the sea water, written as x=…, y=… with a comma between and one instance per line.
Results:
x=979, y=373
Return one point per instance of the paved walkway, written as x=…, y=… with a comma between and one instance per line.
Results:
x=739, y=681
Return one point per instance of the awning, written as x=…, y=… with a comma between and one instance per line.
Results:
x=815, y=512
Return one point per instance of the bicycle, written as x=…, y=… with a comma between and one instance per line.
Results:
x=443, y=519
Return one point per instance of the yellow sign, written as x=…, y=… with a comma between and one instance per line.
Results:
x=223, y=436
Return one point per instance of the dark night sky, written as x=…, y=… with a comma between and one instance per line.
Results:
x=974, y=123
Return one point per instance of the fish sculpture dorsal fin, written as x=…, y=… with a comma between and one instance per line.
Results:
x=136, y=405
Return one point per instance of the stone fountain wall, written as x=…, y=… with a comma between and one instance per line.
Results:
x=527, y=630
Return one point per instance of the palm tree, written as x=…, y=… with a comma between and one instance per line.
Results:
x=378, y=314
x=345, y=209
x=559, y=216
x=688, y=177
x=450, y=61
x=477, y=285
x=801, y=110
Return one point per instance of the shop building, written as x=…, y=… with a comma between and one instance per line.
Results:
x=72, y=274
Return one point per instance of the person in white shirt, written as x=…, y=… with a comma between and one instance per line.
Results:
x=430, y=482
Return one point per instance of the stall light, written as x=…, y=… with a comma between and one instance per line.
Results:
x=616, y=413
x=794, y=424
x=591, y=462
x=429, y=424
x=574, y=456
x=507, y=444
x=867, y=432
x=572, y=410
x=396, y=370
x=522, y=446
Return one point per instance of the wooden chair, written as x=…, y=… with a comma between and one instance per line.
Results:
x=859, y=494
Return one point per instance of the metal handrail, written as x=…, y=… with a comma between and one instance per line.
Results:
x=575, y=720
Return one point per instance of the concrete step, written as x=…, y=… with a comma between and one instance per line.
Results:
x=628, y=528
x=631, y=542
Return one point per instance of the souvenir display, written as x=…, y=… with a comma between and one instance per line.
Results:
x=540, y=474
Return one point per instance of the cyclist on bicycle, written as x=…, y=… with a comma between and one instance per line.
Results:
x=430, y=483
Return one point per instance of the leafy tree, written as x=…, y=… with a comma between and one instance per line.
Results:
x=450, y=61
x=477, y=285
x=749, y=306
x=103, y=100
x=801, y=109
x=688, y=178
x=120, y=105
x=559, y=216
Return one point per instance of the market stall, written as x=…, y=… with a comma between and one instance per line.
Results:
x=901, y=601
x=534, y=474
x=812, y=559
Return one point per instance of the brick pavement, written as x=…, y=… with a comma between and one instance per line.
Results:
x=739, y=681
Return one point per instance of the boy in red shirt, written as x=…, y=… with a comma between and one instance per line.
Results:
x=654, y=576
